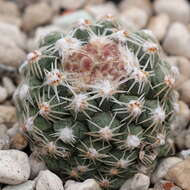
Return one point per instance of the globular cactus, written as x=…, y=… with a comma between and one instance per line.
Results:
x=97, y=102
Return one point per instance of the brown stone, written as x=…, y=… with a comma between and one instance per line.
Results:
x=19, y=141
x=180, y=174
x=7, y=114
x=36, y=15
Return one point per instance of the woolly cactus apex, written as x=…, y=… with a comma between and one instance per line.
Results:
x=97, y=102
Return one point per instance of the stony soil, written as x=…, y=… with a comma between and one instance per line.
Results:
x=24, y=22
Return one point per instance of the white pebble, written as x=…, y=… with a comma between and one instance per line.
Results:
x=177, y=40
x=3, y=94
x=4, y=138
x=37, y=14
x=89, y=184
x=99, y=11
x=134, y=18
x=187, y=139
x=14, y=167
x=47, y=180
x=138, y=182
x=142, y=4
x=9, y=8
x=3, y=129
x=8, y=84
x=185, y=153
x=13, y=130
x=36, y=166
x=179, y=174
x=183, y=64
x=180, y=137
x=185, y=91
x=7, y=114
x=4, y=142
x=13, y=33
x=14, y=56
x=182, y=118
x=177, y=10
x=163, y=168
x=158, y=25
x=29, y=185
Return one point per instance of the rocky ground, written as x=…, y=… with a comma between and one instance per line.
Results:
x=24, y=22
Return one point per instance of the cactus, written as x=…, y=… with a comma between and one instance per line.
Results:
x=97, y=102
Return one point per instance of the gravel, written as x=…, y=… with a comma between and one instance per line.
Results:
x=177, y=40
x=47, y=180
x=15, y=168
x=29, y=185
x=89, y=184
x=138, y=182
x=180, y=174
x=24, y=22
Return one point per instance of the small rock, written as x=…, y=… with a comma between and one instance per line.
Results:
x=142, y=4
x=10, y=53
x=4, y=138
x=47, y=180
x=3, y=129
x=11, y=20
x=9, y=13
x=13, y=33
x=177, y=40
x=183, y=64
x=185, y=154
x=177, y=10
x=138, y=182
x=166, y=185
x=13, y=130
x=4, y=142
x=29, y=185
x=8, y=71
x=134, y=18
x=182, y=117
x=89, y=184
x=3, y=94
x=37, y=165
x=36, y=15
x=179, y=137
x=9, y=85
x=158, y=25
x=184, y=91
x=15, y=168
x=100, y=11
x=163, y=168
x=9, y=8
x=67, y=21
x=187, y=139
x=180, y=174
x=25, y=3
x=7, y=114
x=19, y=141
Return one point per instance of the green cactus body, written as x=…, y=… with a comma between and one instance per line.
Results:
x=97, y=102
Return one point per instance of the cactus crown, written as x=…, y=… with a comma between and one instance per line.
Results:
x=97, y=102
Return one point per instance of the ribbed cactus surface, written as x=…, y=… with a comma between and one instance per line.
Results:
x=97, y=102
